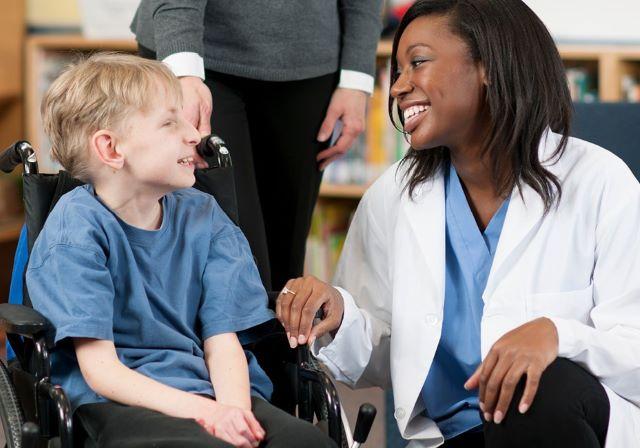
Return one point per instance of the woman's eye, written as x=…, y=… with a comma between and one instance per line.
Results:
x=168, y=123
x=417, y=62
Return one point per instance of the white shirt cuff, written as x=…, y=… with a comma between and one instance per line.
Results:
x=566, y=337
x=338, y=355
x=186, y=64
x=350, y=79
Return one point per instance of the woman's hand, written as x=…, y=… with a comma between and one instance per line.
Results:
x=528, y=349
x=350, y=106
x=234, y=425
x=196, y=103
x=298, y=303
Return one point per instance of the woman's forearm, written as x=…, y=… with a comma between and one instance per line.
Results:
x=227, y=364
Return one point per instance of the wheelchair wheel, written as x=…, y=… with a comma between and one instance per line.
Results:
x=10, y=411
x=320, y=405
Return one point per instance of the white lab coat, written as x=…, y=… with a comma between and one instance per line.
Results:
x=579, y=265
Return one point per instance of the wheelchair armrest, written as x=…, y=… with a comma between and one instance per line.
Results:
x=23, y=321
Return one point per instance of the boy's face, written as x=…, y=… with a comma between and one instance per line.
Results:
x=159, y=147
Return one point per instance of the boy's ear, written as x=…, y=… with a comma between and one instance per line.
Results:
x=103, y=144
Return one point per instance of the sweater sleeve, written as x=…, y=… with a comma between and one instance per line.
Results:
x=361, y=25
x=178, y=26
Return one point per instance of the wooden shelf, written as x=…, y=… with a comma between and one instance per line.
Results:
x=10, y=229
x=587, y=52
x=567, y=51
x=342, y=191
x=7, y=95
x=384, y=49
x=71, y=42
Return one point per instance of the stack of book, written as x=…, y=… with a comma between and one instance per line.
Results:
x=328, y=231
x=631, y=88
x=581, y=85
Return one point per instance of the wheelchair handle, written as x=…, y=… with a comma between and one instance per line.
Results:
x=214, y=150
x=366, y=415
x=19, y=152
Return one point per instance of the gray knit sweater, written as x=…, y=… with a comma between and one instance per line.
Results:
x=272, y=40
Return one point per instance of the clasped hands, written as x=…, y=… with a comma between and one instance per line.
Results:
x=526, y=350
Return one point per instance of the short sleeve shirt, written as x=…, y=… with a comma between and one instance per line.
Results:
x=156, y=294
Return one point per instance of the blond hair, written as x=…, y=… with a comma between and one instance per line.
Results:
x=99, y=92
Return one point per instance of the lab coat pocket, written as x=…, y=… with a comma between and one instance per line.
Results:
x=575, y=304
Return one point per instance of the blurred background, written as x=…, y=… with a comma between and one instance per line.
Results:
x=598, y=41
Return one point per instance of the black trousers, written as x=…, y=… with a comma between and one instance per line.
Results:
x=270, y=129
x=111, y=425
x=570, y=409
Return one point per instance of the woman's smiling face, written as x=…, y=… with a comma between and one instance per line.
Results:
x=439, y=88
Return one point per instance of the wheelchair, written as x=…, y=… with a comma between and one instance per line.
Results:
x=36, y=413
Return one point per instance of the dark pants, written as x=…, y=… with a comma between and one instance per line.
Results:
x=570, y=409
x=270, y=129
x=114, y=425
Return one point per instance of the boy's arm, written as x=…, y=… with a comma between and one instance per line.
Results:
x=109, y=378
x=227, y=364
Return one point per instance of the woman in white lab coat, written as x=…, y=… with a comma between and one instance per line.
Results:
x=491, y=279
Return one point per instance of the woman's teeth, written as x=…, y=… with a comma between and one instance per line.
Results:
x=413, y=111
x=185, y=160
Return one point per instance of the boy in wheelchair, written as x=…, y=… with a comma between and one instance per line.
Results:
x=145, y=279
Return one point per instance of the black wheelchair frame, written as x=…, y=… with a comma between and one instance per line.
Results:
x=37, y=413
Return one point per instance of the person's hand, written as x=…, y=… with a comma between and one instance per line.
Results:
x=196, y=109
x=528, y=349
x=349, y=105
x=234, y=425
x=197, y=103
x=298, y=303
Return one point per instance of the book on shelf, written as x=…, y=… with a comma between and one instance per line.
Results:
x=631, y=88
x=326, y=237
x=581, y=85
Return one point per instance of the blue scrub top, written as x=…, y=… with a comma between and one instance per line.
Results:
x=469, y=255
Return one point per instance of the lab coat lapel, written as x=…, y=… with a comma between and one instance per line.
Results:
x=418, y=298
x=426, y=216
x=525, y=213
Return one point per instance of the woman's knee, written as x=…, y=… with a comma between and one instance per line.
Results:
x=570, y=406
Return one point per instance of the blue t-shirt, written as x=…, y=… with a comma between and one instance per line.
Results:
x=156, y=294
x=469, y=256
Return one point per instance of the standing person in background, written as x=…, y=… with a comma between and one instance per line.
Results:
x=282, y=74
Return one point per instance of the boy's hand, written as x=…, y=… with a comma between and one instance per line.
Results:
x=234, y=425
